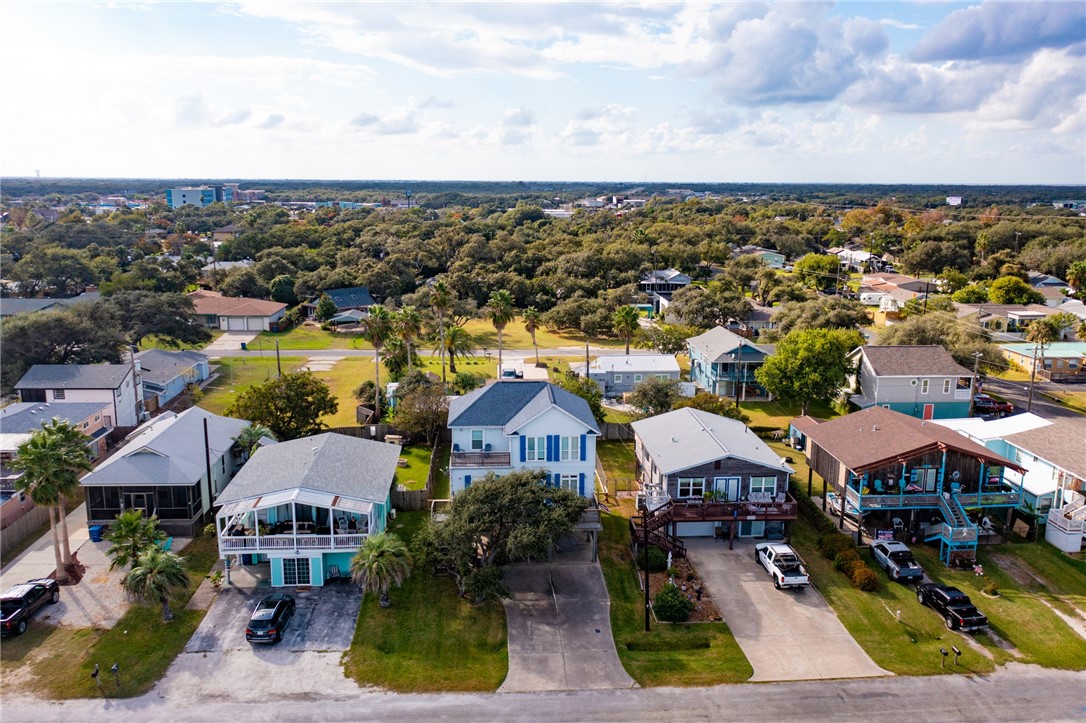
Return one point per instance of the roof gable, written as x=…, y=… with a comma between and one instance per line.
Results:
x=912, y=361
x=718, y=342
x=510, y=404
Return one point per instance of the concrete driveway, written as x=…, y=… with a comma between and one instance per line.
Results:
x=229, y=342
x=559, y=620
x=219, y=663
x=786, y=635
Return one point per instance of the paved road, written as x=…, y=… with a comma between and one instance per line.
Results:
x=1016, y=693
x=510, y=354
x=1018, y=393
x=785, y=634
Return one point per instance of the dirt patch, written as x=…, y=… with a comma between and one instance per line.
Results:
x=1021, y=573
x=688, y=580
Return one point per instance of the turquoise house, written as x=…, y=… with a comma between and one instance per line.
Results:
x=305, y=506
x=922, y=381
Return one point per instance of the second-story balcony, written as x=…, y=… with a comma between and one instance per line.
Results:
x=479, y=459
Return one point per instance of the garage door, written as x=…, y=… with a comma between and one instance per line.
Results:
x=235, y=323
x=256, y=323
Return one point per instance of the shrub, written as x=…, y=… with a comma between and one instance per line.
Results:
x=833, y=543
x=991, y=588
x=810, y=511
x=865, y=578
x=846, y=561
x=657, y=559
x=672, y=606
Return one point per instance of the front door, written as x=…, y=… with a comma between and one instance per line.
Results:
x=929, y=411
x=143, y=501
x=727, y=486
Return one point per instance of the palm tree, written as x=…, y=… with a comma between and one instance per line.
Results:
x=250, y=437
x=157, y=576
x=458, y=343
x=625, y=322
x=533, y=319
x=377, y=330
x=441, y=299
x=408, y=324
x=500, y=311
x=51, y=461
x=381, y=562
x=132, y=534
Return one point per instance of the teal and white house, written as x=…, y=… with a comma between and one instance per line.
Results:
x=306, y=505
x=723, y=363
x=922, y=381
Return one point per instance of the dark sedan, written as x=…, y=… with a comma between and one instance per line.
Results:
x=20, y=602
x=270, y=619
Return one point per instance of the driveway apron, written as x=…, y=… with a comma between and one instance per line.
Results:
x=559, y=620
x=786, y=635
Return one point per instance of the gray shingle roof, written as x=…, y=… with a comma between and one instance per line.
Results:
x=509, y=404
x=74, y=376
x=26, y=417
x=353, y=296
x=161, y=366
x=1062, y=443
x=333, y=463
x=689, y=437
x=718, y=341
x=168, y=450
x=909, y=361
x=10, y=306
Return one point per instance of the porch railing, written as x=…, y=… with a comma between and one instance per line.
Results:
x=479, y=459
x=279, y=543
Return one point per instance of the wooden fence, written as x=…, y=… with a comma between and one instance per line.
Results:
x=26, y=523
x=612, y=430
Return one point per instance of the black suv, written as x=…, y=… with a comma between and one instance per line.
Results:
x=270, y=619
x=954, y=605
x=21, y=601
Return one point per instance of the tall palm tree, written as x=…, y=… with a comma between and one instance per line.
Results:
x=157, y=576
x=132, y=534
x=625, y=323
x=43, y=493
x=457, y=343
x=441, y=300
x=377, y=330
x=408, y=324
x=381, y=562
x=533, y=319
x=250, y=437
x=499, y=309
x=71, y=444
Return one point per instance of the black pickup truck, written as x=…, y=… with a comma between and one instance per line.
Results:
x=954, y=605
x=18, y=603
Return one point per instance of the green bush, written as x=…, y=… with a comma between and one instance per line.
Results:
x=810, y=511
x=846, y=561
x=657, y=559
x=672, y=606
x=865, y=578
x=833, y=543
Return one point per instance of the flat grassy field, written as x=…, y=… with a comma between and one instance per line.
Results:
x=780, y=414
x=441, y=479
x=672, y=655
x=61, y=659
x=414, y=475
x=516, y=337
x=343, y=378
x=306, y=336
x=430, y=640
x=239, y=373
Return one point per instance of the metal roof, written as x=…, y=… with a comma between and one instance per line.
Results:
x=633, y=364
x=26, y=417
x=159, y=365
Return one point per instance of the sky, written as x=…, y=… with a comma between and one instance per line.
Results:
x=894, y=92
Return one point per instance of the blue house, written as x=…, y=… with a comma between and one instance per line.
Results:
x=306, y=505
x=921, y=381
x=167, y=373
x=723, y=363
x=356, y=298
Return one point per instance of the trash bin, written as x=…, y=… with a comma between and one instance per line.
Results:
x=95, y=533
x=243, y=346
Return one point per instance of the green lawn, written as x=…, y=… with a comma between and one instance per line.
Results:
x=441, y=479
x=306, y=336
x=779, y=414
x=414, y=475
x=62, y=659
x=516, y=337
x=616, y=416
x=343, y=379
x=430, y=640
x=239, y=373
x=617, y=458
x=673, y=655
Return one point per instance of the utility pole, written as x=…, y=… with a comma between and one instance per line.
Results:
x=278, y=361
x=973, y=389
x=1033, y=373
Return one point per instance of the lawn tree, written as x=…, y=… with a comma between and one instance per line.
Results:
x=961, y=339
x=381, y=562
x=155, y=578
x=407, y=322
x=130, y=535
x=458, y=344
x=809, y=365
x=290, y=406
x=664, y=338
x=1076, y=277
x=819, y=271
x=499, y=309
x=825, y=312
x=465, y=382
x=1012, y=290
x=423, y=411
x=625, y=322
x=326, y=308
x=972, y=294
x=715, y=304
x=377, y=330
x=586, y=389
x=495, y=521
x=654, y=396
x=70, y=445
x=533, y=319
x=249, y=438
x=713, y=404
x=170, y=317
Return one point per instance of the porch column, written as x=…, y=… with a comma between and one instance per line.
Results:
x=942, y=472
x=810, y=477
x=294, y=525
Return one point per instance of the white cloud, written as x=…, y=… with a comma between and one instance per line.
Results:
x=1000, y=29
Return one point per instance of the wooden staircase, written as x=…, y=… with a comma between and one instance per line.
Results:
x=658, y=522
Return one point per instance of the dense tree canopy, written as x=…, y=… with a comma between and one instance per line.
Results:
x=809, y=365
x=290, y=406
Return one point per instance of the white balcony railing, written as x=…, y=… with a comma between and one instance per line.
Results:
x=280, y=543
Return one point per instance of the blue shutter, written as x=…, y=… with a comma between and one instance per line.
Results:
x=580, y=484
x=584, y=452
x=550, y=449
x=467, y=481
x=523, y=448
x=557, y=448
x=557, y=480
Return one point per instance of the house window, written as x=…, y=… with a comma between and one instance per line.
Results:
x=296, y=571
x=618, y=378
x=58, y=394
x=1072, y=363
x=691, y=486
x=637, y=378
x=661, y=376
x=571, y=448
x=924, y=386
x=477, y=440
x=765, y=485
x=946, y=386
x=570, y=482
x=97, y=417
x=537, y=449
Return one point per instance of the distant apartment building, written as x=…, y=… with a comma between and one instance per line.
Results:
x=200, y=196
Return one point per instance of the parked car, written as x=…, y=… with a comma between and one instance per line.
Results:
x=954, y=605
x=18, y=603
x=270, y=619
x=983, y=404
x=897, y=559
x=783, y=564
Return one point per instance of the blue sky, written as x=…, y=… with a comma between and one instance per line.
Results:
x=929, y=92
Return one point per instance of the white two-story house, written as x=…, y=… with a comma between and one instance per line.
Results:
x=118, y=385
x=512, y=425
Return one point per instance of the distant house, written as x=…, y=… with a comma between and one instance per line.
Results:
x=237, y=313
x=117, y=385
x=954, y=200
x=227, y=233
x=760, y=319
x=714, y=471
x=660, y=284
x=208, y=271
x=10, y=306
x=723, y=363
x=355, y=298
x=772, y=259
x=305, y=506
x=921, y=381
x=1006, y=322
x=618, y=374
x=512, y=425
x=854, y=259
x=169, y=468
x=167, y=373
x=1061, y=361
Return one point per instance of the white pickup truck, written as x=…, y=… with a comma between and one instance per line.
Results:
x=783, y=564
